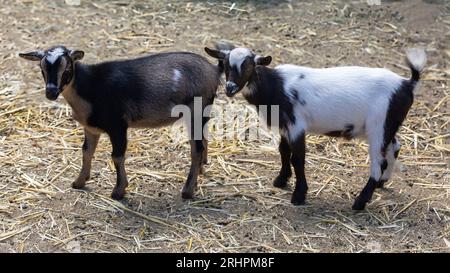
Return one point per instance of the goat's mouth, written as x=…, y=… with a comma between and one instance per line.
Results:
x=230, y=92
x=231, y=88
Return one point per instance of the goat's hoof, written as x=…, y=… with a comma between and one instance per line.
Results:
x=118, y=194
x=380, y=184
x=79, y=183
x=298, y=199
x=280, y=182
x=359, y=204
x=187, y=194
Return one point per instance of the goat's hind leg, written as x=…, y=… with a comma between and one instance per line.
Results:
x=378, y=165
x=89, y=146
x=118, y=139
x=196, y=162
x=392, y=152
x=197, y=152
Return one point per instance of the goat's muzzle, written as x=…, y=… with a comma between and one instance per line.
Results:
x=51, y=92
x=231, y=88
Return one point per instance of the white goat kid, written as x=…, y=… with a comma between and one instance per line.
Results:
x=348, y=102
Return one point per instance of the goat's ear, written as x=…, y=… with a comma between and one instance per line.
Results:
x=218, y=54
x=32, y=56
x=76, y=55
x=259, y=60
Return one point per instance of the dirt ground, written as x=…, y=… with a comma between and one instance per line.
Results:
x=236, y=208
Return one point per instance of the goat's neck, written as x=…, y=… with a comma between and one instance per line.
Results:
x=80, y=107
x=262, y=86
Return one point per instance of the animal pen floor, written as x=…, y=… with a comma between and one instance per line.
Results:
x=236, y=208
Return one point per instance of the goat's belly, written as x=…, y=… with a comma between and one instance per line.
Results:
x=151, y=123
x=346, y=128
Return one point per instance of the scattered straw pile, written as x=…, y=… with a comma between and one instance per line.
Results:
x=236, y=208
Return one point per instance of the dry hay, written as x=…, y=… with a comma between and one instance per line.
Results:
x=235, y=208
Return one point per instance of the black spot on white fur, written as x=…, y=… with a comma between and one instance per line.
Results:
x=347, y=132
x=296, y=97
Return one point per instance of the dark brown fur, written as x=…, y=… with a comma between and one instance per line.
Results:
x=112, y=96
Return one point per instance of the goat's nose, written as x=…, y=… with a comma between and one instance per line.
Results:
x=51, y=91
x=231, y=88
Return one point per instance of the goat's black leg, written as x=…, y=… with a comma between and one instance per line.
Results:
x=196, y=161
x=89, y=146
x=118, y=138
x=298, y=162
x=378, y=164
x=365, y=195
x=285, y=172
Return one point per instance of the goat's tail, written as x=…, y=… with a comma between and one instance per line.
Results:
x=416, y=59
x=223, y=46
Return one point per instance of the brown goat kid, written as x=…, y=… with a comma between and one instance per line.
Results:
x=110, y=97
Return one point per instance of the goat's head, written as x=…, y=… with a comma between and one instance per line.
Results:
x=57, y=66
x=239, y=64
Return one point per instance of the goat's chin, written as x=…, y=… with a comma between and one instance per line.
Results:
x=52, y=97
x=232, y=93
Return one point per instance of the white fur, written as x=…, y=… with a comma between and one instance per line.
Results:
x=331, y=99
x=337, y=97
x=176, y=78
x=390, y=157
x=237, y=57
x=54, y=54
x=417, y=58
x=176, y=75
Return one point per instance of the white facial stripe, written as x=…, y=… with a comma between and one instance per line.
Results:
x=176, y=75
x=54, y=54
x=237, y=57
x=176, y=78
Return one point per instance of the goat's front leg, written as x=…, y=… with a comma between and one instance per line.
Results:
x=298, y=162
x=118, y=139
x=89, y=146
x=285, y=172
x=196, y=162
